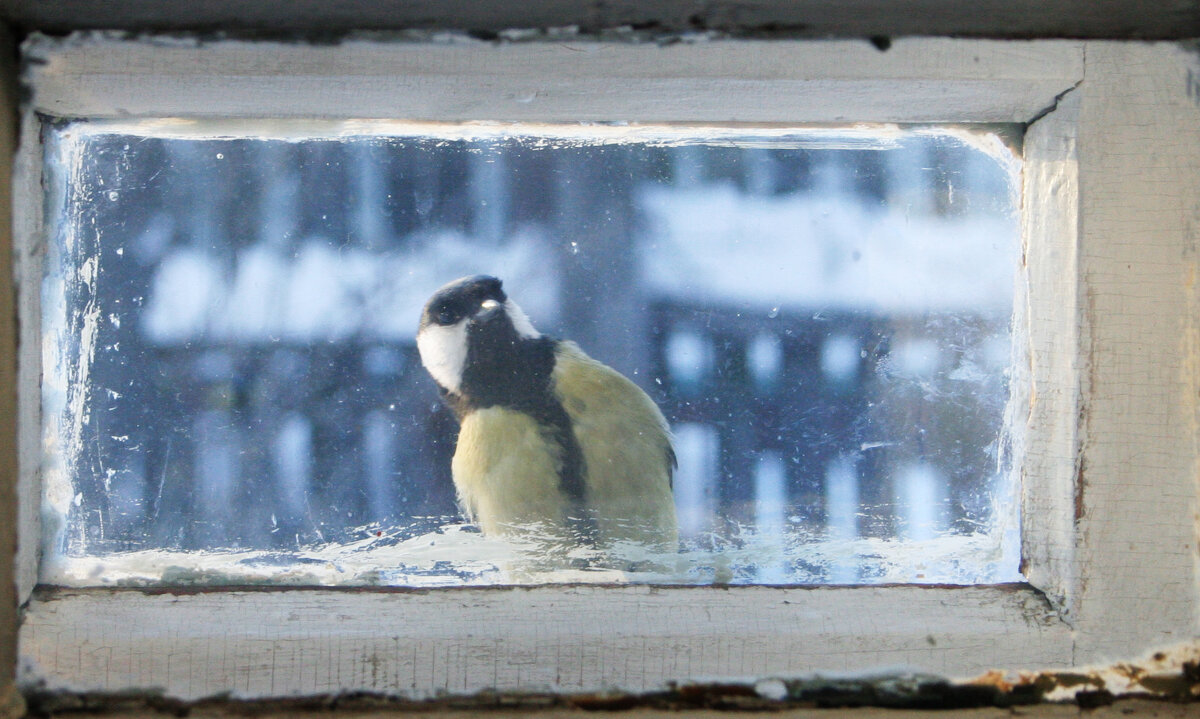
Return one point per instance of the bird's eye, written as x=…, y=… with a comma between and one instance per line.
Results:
x=445, y=316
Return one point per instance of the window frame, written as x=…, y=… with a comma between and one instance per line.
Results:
x=1092, y=595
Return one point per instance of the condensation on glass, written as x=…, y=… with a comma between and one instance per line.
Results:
x=232, y=392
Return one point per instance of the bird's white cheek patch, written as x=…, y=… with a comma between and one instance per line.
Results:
x=444, y=353
x=520, y=321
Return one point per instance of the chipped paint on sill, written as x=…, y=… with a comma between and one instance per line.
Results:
x=1168, y=675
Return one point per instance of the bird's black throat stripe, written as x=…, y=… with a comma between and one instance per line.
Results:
x=506, y=370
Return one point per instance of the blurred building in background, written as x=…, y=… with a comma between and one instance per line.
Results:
x=825, y=323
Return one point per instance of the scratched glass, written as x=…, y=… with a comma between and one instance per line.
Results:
x=233, y=393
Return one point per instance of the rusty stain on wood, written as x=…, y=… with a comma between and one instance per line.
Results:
x=1168, y=675
x=1086, y=689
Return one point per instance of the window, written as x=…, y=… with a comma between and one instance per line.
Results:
x=822, y=314
x=1099, y=257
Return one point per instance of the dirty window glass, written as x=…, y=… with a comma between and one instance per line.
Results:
x=233, y=392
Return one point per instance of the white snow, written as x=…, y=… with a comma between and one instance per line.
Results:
x=325, y=292
x=817, y=252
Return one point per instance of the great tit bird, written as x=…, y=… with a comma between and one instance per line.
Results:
x=550, y=439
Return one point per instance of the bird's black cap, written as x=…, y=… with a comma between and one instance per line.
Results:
x=461, y=298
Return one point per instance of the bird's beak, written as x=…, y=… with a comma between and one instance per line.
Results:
x=488, y=310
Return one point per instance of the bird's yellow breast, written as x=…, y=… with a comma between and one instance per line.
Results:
x=506, y=472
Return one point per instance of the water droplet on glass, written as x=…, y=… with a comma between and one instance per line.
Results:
x=220, y=156
x=112, y=195
x=773, y=313
x=574, y=248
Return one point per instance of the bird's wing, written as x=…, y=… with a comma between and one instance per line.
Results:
x=625, y=441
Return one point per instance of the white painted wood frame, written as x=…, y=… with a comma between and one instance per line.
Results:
x=1106, y=423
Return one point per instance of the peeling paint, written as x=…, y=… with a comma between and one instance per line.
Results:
x=1172, y=675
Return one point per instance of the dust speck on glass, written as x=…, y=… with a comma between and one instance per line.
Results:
x=233, y=393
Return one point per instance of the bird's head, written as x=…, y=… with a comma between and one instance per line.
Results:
x=468, y=321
